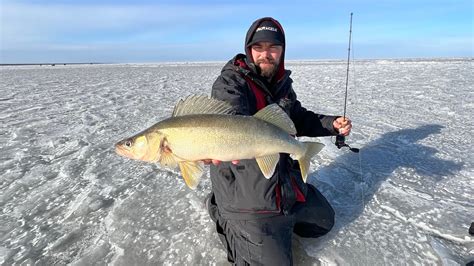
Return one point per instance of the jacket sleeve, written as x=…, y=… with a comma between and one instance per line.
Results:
x=310, y=124
x=231, y=88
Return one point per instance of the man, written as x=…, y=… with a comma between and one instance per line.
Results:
x=255, y=217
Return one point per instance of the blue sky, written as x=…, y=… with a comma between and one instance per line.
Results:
x=156, y=31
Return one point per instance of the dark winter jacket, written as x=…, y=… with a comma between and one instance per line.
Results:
x=241, y=191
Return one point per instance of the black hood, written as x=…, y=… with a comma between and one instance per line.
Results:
x=248, y=39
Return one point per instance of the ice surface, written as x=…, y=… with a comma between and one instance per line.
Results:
x=66, y=197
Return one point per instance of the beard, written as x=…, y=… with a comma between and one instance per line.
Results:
x=267, y=67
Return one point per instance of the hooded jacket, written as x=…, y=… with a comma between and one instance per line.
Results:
x=241, y=191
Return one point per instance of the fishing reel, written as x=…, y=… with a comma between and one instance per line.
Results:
x=341, y=142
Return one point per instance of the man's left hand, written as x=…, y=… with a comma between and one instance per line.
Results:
x=343, y=125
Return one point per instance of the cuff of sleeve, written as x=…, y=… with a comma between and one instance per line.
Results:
x=328, y=124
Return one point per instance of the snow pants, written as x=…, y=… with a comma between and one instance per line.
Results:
x=267, y=241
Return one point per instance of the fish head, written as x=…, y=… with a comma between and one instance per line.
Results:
x=143, y=147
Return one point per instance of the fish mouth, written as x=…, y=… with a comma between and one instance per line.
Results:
x=120, y=150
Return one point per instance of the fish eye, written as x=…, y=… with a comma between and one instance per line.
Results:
x=128, y=143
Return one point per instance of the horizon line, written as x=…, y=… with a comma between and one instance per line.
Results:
x=205, y=61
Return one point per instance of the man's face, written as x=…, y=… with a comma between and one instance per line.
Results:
x=266, y=56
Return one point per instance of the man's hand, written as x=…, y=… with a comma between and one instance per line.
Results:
x=217, y=162
x=343, y=125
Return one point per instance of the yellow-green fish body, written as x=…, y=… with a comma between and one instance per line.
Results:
x=203, y=128
x=225, y=137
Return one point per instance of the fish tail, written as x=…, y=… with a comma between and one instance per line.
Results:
x=311, y=149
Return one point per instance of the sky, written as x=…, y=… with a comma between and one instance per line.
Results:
x=135, y=31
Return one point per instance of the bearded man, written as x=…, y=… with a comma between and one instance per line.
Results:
x=255, y=217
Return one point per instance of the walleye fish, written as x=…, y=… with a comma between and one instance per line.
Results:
x=203, y=128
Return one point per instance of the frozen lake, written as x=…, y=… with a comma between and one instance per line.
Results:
x=66, y=197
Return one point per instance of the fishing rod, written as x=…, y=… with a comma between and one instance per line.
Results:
x=340, y=139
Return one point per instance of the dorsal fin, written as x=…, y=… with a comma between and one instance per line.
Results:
x=273, y=114
x=201, y=104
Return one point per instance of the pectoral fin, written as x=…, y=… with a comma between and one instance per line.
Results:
x=268, y=164
x=167, y=158
x=192, y=172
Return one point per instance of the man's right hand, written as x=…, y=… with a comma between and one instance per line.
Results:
x=343, y=125
x=217, y=162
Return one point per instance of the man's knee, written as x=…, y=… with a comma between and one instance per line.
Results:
x=325, y=211
x=328, y=221
x=316, y=218
x=309, y=230
x=317, y=228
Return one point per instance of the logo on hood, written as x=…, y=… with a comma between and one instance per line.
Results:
x=266, y=28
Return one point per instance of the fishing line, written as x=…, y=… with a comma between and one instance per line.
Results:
x=340, y=139
x=362, y=183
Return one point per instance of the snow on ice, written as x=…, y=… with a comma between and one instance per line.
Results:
x=66, y=197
